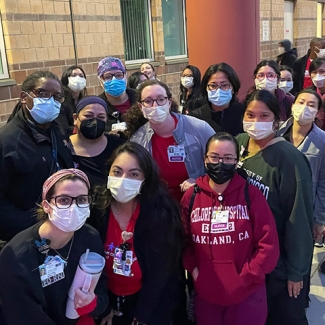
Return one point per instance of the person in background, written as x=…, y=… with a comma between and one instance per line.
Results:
x=190, y=89
x=236, y=271
x=303, y=133
x=149, y=70
x=136, y=79
x=285, y=83
x=112, y=76
x=222, y=111
x=142, y=223
x=74, y=87
x=287, y=55
x=175, y=141
x=268, y=161
x=301, y=76
x=40, y=262
x=33, y=146
x=267, y=76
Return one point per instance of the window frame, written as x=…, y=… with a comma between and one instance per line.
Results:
x=5, y=74
x=181, y=56
x=151, y=40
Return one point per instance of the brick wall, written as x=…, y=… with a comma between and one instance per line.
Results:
x=38, y=36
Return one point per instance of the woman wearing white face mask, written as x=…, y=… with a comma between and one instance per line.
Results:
x=286, y=80
x=283, y=175
x=302, y=132
x=142, y=233
x=176, y=141
x=219, y=87
x=190, y=90
x=267, y=76
x=74, y=86
x=41, y=261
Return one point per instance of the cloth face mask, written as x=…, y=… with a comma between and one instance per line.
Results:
x=122, y=189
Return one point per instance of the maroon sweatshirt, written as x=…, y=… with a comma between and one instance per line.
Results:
x=232, y=257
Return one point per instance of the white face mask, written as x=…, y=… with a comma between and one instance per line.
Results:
x=258, y=130
x=69, y=220
x=267, y=84
x=123, y=189
x=303, y=114
x=187, y=82
x=321, y=53
x=281, y=50
x=286, y=86
x=77, y=83
x=220, y=97
x=318, y=81
x=156, y=114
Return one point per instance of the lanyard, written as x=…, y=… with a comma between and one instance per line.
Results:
x=56, y=166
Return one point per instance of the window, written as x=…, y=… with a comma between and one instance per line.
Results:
x=136, y=30
x=173, y=13
x=3, y=60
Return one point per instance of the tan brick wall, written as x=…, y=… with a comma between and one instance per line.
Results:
x=38, y=36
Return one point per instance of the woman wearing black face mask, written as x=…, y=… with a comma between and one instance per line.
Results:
x=231, y=240
x=91, y=146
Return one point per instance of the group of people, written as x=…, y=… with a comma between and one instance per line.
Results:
x=158, y=188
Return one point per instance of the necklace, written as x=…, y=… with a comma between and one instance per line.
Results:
x=65, y=259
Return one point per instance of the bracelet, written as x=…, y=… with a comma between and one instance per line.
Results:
x=135, y=322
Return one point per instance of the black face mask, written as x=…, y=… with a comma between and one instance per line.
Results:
x=93, y=128
x=220, y=173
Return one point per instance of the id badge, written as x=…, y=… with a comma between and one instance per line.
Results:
x=119, y=126
x=176, y=153
x=51, y=272
x=122, y=266
x=219, y=220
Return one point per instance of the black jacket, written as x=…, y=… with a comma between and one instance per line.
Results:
x=229, y=120
x=111, y=109
x=26, y=161
x=287, y=58
x=299, y=68
x=160, y=289
x=192, y=102
x=23, y=299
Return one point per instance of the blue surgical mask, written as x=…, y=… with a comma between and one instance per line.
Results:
x=115, y=87
x=44, y=110
x=220, y=97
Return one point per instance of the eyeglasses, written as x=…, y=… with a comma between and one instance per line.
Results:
x=65, y=201
x=268, y=75
x=159, y=101
x=222, y=86
x=43, y=94
x=186, y=75
x=109, y=76
x=226, y=160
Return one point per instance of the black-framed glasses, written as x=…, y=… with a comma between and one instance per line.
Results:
x=226, y=160
x=43, y=94
x=222, y=86
x=65, y=201
x=159, y=101
x=109, y=76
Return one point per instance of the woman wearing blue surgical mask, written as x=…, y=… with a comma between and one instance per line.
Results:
x=112, y=77
x=141, y=231
x=33, y=146
x=283, y=175
x=267, y=76
x=219, y=87
x=190, y=86
x=41, y=262
x=302, y=132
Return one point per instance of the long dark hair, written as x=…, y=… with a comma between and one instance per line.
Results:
x=165, y=211
x=65, y=81
x=134, y=118
x=196, y=79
